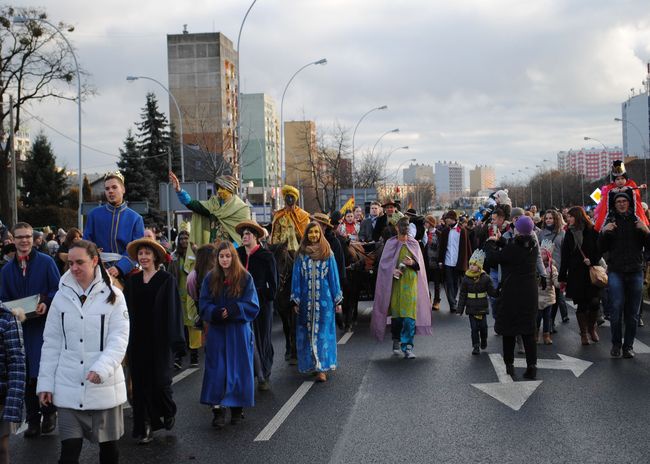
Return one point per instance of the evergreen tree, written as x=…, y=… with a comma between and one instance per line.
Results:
x=87, y=191
x=153, y=140
x=43, y=183
x=132, y=166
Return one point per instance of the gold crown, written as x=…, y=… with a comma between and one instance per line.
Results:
x=114, y=175
x=185, y=227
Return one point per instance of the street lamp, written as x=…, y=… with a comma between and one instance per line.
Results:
x=383, y=107
x=237, y=128
x=282, y=147
x=643, y=147
x=551, y=181
x=178, y=110
x=25, y=20
x=394, y=131
x=540, y=185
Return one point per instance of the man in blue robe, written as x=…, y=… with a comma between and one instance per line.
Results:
x=31, y=273
x=113, y=226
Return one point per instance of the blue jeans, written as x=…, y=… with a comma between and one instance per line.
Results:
x=494, y=275
x=625, y=292
x=479, y=329
x=452, y=282
x=544, y=315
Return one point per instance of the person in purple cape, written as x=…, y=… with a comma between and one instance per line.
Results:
x=402, y=293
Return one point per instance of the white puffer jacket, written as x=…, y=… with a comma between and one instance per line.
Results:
x=79, y=339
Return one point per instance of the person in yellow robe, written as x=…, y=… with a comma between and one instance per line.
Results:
x=290, y=222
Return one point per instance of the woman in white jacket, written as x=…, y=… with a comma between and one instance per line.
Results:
x=86, y=335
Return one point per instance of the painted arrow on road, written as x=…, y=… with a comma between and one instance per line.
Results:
x=512, y=394
x=575, y=365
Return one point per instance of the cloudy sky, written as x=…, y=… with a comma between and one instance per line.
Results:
x=500, y=82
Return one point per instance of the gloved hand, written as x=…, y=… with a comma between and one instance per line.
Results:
x=542, y=282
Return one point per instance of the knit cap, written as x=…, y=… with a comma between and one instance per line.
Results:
x=524, y=225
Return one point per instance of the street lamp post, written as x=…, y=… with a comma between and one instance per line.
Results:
x=178, y=110
x=383, y=107
x=551, y=182
x=606, y=151
x=237, y=129
x=282, y=147
x=394, y=131
x=24, y=20
x=396, y=173
x=540, y=186
x=405, y=147
x=643, y=147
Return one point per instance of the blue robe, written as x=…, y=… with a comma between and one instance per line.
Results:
x=228, y=379
x=42, y=278
x=316, y=289
x=112, y=229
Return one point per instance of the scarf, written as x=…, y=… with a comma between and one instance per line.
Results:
x=316, y=252
x=474, y=275
x=577, y=235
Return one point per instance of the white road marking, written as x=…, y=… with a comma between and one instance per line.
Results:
x=283, y=413
x=512, y=394
x=344, y=339
x=186, y=373
x=575, y=365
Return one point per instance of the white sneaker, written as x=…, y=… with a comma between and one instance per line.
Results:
x=396, y=348
x=408, y=354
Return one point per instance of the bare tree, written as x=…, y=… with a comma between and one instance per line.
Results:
x=370, y=171
x=35, y=65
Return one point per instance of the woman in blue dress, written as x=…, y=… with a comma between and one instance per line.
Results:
x=228, y=304
x=316, y=295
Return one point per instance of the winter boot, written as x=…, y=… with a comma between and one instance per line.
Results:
x=592, y=327
x=531, y=373
x=547, y=338
x=583, y=324
x=510, y=370
x=476, y=350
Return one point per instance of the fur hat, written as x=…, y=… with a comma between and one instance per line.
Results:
x=524, y=225
x=618, y=169
x=477, y=258
x=501, y=197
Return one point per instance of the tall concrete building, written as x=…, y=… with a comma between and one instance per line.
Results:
x=635, y=113
x=260, y=140
x=418, y=174
x=300, y=160
x=482, y=178
x=592, y=163
x=449, y=181
x=202, y=73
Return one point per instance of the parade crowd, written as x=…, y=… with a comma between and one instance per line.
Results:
x=93, y=319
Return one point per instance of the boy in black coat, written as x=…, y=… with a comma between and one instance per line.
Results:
x=474, y=290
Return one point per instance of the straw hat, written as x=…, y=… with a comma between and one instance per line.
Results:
x=132, y=249
x=252, y=226
x=322, y=218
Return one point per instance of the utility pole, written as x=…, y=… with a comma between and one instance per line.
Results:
x=13, y=193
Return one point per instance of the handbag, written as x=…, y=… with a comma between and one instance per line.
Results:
x=597, y=274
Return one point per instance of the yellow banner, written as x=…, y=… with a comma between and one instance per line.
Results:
x=349, y=205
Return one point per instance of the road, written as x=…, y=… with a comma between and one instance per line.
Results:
x=381, y=408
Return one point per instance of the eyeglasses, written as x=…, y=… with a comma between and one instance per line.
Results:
x=22, y=237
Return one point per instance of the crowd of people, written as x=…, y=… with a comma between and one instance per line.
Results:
x=117, y=308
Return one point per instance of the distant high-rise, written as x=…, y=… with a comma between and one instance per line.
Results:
x=301, y=159
x=418, y=174
x=260, y=140
x=482, y=178
x=636, y=122
x=202, y=73
x=593, y=163
x=449, y=181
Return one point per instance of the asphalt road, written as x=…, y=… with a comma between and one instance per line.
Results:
x=381, y=408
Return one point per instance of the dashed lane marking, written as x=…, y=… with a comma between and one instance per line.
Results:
x=344, y=339
x=283, y=413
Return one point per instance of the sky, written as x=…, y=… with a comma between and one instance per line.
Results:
x=498, y=82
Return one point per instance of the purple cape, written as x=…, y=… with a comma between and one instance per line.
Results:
x=384, y=287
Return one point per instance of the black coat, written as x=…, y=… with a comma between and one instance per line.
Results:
x=473, y=304
x=516, y=310
x=624, y=245
x=337, y=250
x=573, y=270
x=261, y=266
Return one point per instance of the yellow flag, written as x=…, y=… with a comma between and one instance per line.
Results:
x=349, y=205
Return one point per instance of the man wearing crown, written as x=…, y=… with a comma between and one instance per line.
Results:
x=215, y=218
x=290, y=222
x=112, y=226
